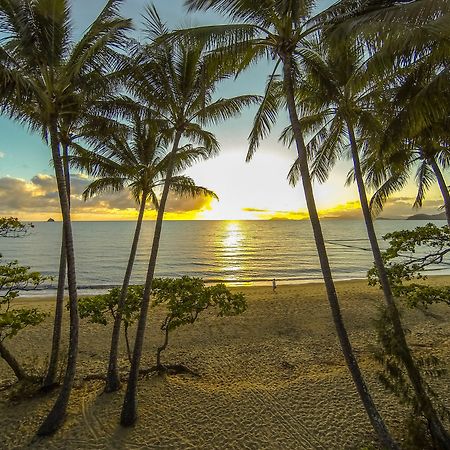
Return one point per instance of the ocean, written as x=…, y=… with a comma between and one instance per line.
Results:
x=234, y=252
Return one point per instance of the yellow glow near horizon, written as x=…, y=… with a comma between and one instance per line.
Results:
x=255, y=191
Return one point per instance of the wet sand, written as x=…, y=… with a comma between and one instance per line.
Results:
x=272, y=378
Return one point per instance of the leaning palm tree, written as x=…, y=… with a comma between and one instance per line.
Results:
x=177, y=82
x=338, y=107
x=134, y=157
x=50, y=67
x=279, y=29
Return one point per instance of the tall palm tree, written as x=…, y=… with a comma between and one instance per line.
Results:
x=338, y=107
x=176, y=81
x=279, y=29
x=416, y=33
x=85, y=114
x=38, y=47
x=135, y=158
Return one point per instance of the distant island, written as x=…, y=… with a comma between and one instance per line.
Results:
x=441, y=216
x=51, y=220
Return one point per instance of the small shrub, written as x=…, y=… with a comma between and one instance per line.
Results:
x=100, y=309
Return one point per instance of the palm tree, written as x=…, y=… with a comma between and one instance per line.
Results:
x=177, y=82
x=87, y=114
x=428, y=152
x=280, y=30
x=51, y=68
x=339, y=112
x=414, y=35
x=134, y=158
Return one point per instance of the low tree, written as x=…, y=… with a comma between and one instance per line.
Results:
x=100, y=309
x=11, y=227
x=410, y=253
x=185, y=298
x=14, y=278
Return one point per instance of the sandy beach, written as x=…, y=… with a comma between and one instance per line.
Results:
x=272, y=378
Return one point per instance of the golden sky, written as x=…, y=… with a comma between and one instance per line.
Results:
x=247, y=191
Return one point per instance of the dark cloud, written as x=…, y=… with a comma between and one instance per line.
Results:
x=40, y=196
x=401, y=207
x=178, y=204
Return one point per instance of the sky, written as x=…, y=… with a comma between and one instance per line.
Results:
x=255, y=190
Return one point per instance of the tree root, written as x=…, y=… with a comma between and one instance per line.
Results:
x=168, y=369
x=172, y=369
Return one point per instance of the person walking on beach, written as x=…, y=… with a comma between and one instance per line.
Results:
x=274, y=285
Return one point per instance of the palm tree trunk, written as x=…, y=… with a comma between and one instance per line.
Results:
x=12, y=362
x=442, y=186
x=112, y=377
x=127, y=342
x=57, y=414
x=440, y=436
x=129, y=409
x=50, y=378
x=372, y=412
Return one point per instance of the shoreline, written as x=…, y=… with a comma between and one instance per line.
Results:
x=83, y=291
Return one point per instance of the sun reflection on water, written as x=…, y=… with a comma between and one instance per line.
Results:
x=233, y=236
x=231, y=246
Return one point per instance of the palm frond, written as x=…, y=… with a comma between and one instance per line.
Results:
x=267, y=113
x=185, y=186
x=425, y=178
x=395, y=183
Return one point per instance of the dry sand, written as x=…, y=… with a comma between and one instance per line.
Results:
x=273, y=378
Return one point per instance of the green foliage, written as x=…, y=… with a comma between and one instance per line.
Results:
x=185, y=298
x=411, y=252
x=100, y=309
x=12, y=227
x=393, y=376
x=14, y=278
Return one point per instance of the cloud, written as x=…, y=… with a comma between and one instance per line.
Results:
x=2, y=155
x=255, y=210
x=350, y=210
x=38, y=199
x=398, y=207
x=401, y=207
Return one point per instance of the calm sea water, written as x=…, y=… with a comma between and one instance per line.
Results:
x=233, y=252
